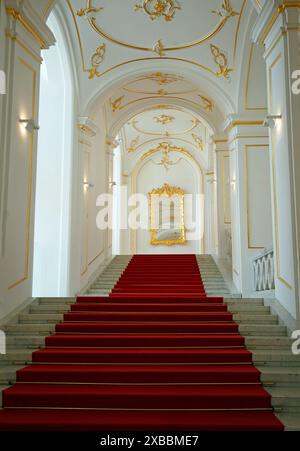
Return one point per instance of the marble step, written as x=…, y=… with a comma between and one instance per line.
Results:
x=282, y=358
x=41, y=318
x=280, y=376
x=258, y=318
x=285, y=399
x=8, y=374
x=53, y=318
x=290, y=420
x=24, y=341
x=55, y=301
x=49, y=308
x=243, y=301
x=262, y=329
x=30, y=329
x=268, y=343
x=16, y=357
x=249, y=308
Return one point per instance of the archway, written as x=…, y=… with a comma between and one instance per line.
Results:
x=53, y=185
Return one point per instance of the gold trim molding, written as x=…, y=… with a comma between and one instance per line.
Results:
x=21, y=19
x=90, y=12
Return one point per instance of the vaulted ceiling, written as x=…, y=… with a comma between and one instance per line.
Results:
x=192, y=54
x=110, y=36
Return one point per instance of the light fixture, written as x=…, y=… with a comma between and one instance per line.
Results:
x=30, y=125
x=112, y=184
x=270, y=121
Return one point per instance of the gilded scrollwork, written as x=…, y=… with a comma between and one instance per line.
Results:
x=96, y=60
x=226, y=10
x=208, y=104
x=221, y=60
x=164, y=119
x=116, y=105
x=159, y=8
x=164, y=8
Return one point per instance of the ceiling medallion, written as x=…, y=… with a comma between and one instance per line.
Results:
x=159, y=8
x=226, y=10
x=164, y=119
x=163, y=79
x=96, y=59
x=90, y=13
x=134, y=123
x=208, y=104
x=116, y=105
x=221, y=60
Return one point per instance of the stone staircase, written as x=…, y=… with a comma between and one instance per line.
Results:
x=212, y=278
x=265, y=337
x=107, y=280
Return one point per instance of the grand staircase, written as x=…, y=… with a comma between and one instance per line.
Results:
x=186, y=350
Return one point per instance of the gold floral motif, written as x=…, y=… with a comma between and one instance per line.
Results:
x=198, y=141
x=221, y=60
x=166, y=162
x=158, y=47
x=166, y=147
x=116, y=105
x=208, y=104
x=164, y=119
x=133, y=145
x=159, y=8
x=96, y=59
x=163, y=79
x=88, y=10
x=168, y=191
x=226, y=10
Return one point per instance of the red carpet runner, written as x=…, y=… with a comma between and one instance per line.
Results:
x=158, y=354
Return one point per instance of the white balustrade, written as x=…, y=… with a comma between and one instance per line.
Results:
x=263, y=265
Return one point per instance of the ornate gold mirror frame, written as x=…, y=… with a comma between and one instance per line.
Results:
x=175, y=198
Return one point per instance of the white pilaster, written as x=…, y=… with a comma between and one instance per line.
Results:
x=250, y=197
x=278, y=29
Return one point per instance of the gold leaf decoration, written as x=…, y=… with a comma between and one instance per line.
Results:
x=116, y=105
x=159, y=8
x=226, y=10
x=164, y=119
x=96, y=60
x=221, y=60
x=208, y=104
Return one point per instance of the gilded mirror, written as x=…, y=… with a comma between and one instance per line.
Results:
x=167, y=216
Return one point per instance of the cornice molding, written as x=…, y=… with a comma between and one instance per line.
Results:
x=21, y=11
x=87, y=127
x=271, y=11
x=235, y=121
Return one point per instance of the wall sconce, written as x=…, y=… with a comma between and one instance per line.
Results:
x=112, y=184
x=88, y=185
x=233, y=183
x=270, y=121
x=30, y=125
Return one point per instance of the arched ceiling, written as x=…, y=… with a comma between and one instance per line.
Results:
x=165, y=133
x=110, y=36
